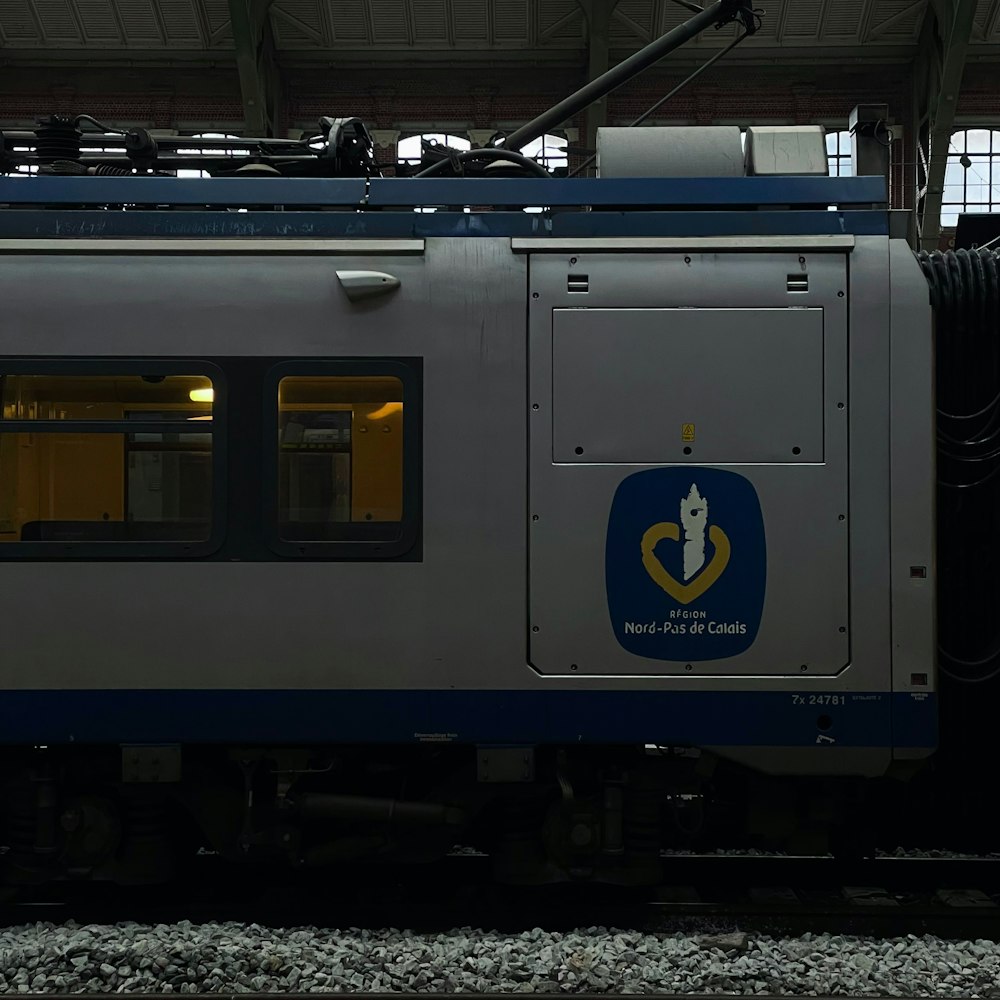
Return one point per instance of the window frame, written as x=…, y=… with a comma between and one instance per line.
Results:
x=560, y=153
x=128, y=550
x=837, y=158
x=954, y=156
x=194, y=149
x=409, y=372
x=434, y=134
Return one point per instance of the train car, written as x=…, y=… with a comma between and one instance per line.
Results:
x=332, y=530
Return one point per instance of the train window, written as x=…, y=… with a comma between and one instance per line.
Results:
x=106, y=462
x=345, y=459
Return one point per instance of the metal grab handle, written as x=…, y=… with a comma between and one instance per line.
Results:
x=367, y=284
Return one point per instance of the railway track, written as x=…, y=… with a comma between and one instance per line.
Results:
x=672, y=941
x=953, y=898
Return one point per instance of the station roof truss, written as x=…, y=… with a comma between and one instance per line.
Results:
x=370, y=31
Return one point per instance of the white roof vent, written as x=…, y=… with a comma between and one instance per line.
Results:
x=670, y=151
x=786, y=151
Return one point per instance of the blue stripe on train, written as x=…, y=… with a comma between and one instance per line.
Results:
x=37, y=223
x=700, y=718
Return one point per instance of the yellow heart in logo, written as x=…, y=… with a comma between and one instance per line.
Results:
x=684, y=593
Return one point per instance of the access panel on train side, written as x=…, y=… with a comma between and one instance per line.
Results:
x=649, y=386
x=688, y=485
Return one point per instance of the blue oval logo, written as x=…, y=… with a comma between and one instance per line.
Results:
x=686, y=564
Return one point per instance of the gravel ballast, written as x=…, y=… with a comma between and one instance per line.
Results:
x=191, y=958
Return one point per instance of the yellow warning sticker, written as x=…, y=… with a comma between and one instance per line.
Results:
x=687, y=433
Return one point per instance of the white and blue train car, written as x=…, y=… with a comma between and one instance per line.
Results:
x=331, y=530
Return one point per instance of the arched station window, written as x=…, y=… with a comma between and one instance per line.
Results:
x=972, y=174
x=194, y=149
x=408, y=149
x=548, y=150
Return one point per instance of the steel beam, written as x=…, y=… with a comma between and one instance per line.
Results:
x=253, y=39
x=598, y=14
x=944, y=44
x=894, y=19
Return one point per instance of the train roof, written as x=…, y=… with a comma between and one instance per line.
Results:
x=148, y=207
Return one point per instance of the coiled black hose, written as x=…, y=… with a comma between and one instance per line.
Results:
x=965, y=294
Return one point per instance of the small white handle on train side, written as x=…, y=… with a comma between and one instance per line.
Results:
x=366, y=284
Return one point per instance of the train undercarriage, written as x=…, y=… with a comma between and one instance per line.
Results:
x=595, y=814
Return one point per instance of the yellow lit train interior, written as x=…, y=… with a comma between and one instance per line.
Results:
x=341, y=442
x=340, y=451
x=76, y=476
